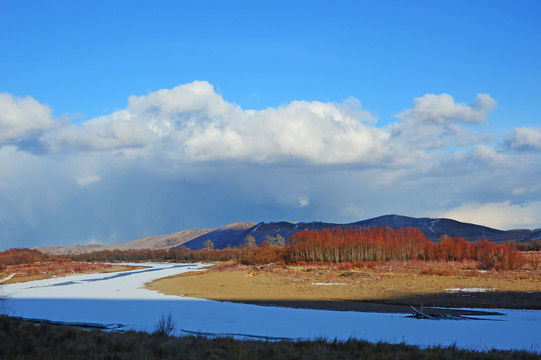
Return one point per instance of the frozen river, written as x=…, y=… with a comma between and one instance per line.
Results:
x=120, y=298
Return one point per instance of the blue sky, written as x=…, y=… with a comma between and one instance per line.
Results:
x=120, y=120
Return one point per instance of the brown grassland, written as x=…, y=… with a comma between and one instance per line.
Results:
x=48, y=269
x=22, y=264
x=389, y=286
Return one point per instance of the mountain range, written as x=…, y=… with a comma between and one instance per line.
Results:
x=234, y=235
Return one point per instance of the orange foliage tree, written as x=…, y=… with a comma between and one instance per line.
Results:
x=381, y=244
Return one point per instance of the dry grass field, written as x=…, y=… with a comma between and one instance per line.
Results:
x=48, y=269
x=386, y=286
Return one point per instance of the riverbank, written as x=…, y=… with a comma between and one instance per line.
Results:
x=389, y=288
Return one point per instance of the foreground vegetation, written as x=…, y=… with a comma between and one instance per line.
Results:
x=24, y=340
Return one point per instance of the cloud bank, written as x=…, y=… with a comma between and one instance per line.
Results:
x=509, y=216
x=184, y=157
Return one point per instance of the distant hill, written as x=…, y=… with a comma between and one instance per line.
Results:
x=234, y=234
x=151, y=242
x=433, y=228
x=230, y=235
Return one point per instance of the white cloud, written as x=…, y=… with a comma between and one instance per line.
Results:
x=483, y=156
x=435, y=121
x=499, y=215
x=87, y=180
x=312, y=131
x=524, y=139
x=192, y=123
x=23, y=117
x=112, y=132
x=442, y=109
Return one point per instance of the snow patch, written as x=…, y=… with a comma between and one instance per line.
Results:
x=329, y=284
x=7, y=278
x=469, y=290
x=432, y=225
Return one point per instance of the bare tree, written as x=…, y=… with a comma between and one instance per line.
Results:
x=208, y=245
x=271, y=240
x=250, y=241
x=280, y=240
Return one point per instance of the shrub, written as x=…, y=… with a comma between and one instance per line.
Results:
x=264, y=255
x=166, y=326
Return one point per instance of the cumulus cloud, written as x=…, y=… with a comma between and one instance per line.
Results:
x=499, y=215
x=192, y=123
x=313, y=131
x=524, y=139
x=23, y=117
x=442, y=109
x=436, y=121
x=148, y=119
x=112, y=132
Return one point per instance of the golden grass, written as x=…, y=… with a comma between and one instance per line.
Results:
x=329, y=286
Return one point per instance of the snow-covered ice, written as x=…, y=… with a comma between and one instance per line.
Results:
x=121, y=298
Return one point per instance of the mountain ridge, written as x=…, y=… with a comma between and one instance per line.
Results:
x=157, y=242
x=433, y=228
x=234, y=234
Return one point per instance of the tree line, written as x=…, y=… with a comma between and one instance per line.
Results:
x=335, y=246
x=381, y=244
x=330, y=245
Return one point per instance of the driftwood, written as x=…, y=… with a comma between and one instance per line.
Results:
x=438, y=314
x=421, y=314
